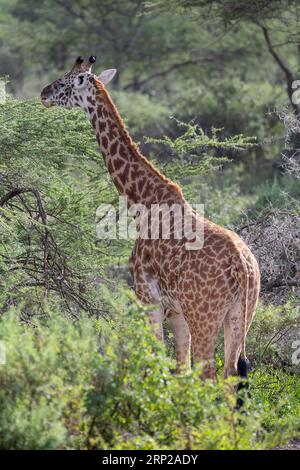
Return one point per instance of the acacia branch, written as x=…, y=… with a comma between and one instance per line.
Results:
x=17, y=191
x=284, y=67
x=161, y=73
x=46, y=266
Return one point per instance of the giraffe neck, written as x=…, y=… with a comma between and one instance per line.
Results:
x=133, y=175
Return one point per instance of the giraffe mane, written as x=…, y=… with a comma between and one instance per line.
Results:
x=104, y=94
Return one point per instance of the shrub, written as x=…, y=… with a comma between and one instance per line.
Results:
x=97, y=384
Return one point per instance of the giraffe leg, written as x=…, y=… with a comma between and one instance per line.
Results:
x=145, y=288
x=182, y=338
x=203, y=347
x=156, y=318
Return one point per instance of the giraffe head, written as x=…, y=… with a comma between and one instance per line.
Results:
x=74, y=87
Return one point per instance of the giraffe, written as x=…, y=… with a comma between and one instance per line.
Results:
x=197, y=292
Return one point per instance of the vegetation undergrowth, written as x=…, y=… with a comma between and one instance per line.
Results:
x=93, y=384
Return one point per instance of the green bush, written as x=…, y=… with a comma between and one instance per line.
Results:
x=54, y=153
x=231, y=103
x=143, y=114
x=272, y=334
x=93, y=384
x=279, y=193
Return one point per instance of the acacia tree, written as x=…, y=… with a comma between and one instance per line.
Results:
x=120, y=32
x=278, y=22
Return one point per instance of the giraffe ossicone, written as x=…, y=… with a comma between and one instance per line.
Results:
x=197, y=291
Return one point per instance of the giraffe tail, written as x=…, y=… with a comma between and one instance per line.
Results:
x=243, y=364
x=243, y=367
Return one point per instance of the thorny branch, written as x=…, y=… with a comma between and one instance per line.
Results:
x=45, y=265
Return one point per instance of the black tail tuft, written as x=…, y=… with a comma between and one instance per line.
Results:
x=243, y=367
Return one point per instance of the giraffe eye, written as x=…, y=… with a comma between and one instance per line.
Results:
x=80, y=79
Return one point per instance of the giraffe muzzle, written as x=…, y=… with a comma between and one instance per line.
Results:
x=47, y=102
x=46, y=95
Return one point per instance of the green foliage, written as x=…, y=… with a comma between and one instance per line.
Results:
x=272, y=334
x=194, y=140
x=231, y=103
x=55, y=154
x=197, y=160
x=44, y=381
x=93, y=384
x=211, y=63
x=280, y=193
x=195, y=151
x=141, y=111
x=223, y=200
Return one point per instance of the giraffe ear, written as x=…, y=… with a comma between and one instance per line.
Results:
x=107, y=75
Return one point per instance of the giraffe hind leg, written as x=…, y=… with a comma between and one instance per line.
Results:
x=236, y=363
x=234, y=331
x=156, y=318
x=203, y=347
x=182, y=339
